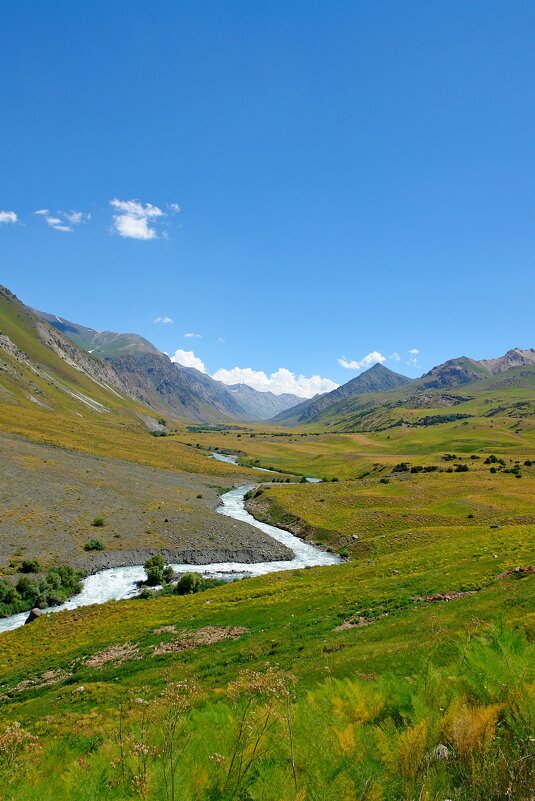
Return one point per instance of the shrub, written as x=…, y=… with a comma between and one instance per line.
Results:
x=189, y=583
x=30, y=566
x=98, y=522
x=94, y=545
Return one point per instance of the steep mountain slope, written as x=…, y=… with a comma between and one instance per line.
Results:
x=152, y=377
x=376, y=379
x=168, y=387
x=107, y=344
x=41, y=365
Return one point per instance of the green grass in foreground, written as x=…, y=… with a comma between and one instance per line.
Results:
x=459, y=731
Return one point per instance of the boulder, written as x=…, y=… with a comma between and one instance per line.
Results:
x=34, y=614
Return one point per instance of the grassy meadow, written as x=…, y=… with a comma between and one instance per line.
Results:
x=405, y=673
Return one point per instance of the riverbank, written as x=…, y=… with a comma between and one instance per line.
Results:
x=118, y=583
x=56, y=501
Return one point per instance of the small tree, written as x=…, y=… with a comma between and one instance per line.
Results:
x=154, y=568
x=189, y=583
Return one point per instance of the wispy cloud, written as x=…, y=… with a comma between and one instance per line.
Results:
x=366, y=361
x=133, y=220
x=63, y=220
x=190, y=335
x=165, y=320
x=8, y=217
x=187, y=358
x=279, y=382
x=395, y=357
x=412, y=361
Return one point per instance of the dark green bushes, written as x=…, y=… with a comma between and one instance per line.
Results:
x=30, y=566
x=94, y=545
x=58, y=584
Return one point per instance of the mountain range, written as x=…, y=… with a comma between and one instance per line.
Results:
x=380, y=383
x=151, y=377
x=44, y=355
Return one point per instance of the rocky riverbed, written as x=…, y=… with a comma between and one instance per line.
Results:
x=50, y=497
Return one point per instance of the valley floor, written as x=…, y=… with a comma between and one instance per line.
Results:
x=404, y=673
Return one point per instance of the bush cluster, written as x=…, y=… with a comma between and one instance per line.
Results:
x=58, y=584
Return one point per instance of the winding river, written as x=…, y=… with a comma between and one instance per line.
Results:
x=118, y=583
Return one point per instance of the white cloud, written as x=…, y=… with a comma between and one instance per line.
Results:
x=165, y=320
x=188, y=359
x=175, y=208
x=366, y=361
x=395, y=357
x=192, y=336
x=282, y=380
x=63, y=220
x=57, y=224
x=135, y=220
x=413, y=361
x=8, y=217
x=75, y=217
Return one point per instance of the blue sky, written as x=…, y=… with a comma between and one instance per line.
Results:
x=298, y=183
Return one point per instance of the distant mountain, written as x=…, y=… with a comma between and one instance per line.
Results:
x=513, y=358
x=454, y=373
x=262, y=405
x=455, y=383
x=151, y=377
x=460, y=371
x=377, y=379
x=107, y=344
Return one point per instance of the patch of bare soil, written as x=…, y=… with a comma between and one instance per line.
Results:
x=165, y=630
x=443, y=596
x=353, y=623
x=47, y=679
x=517, y=572
x=116, y=654
x=209, y=635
